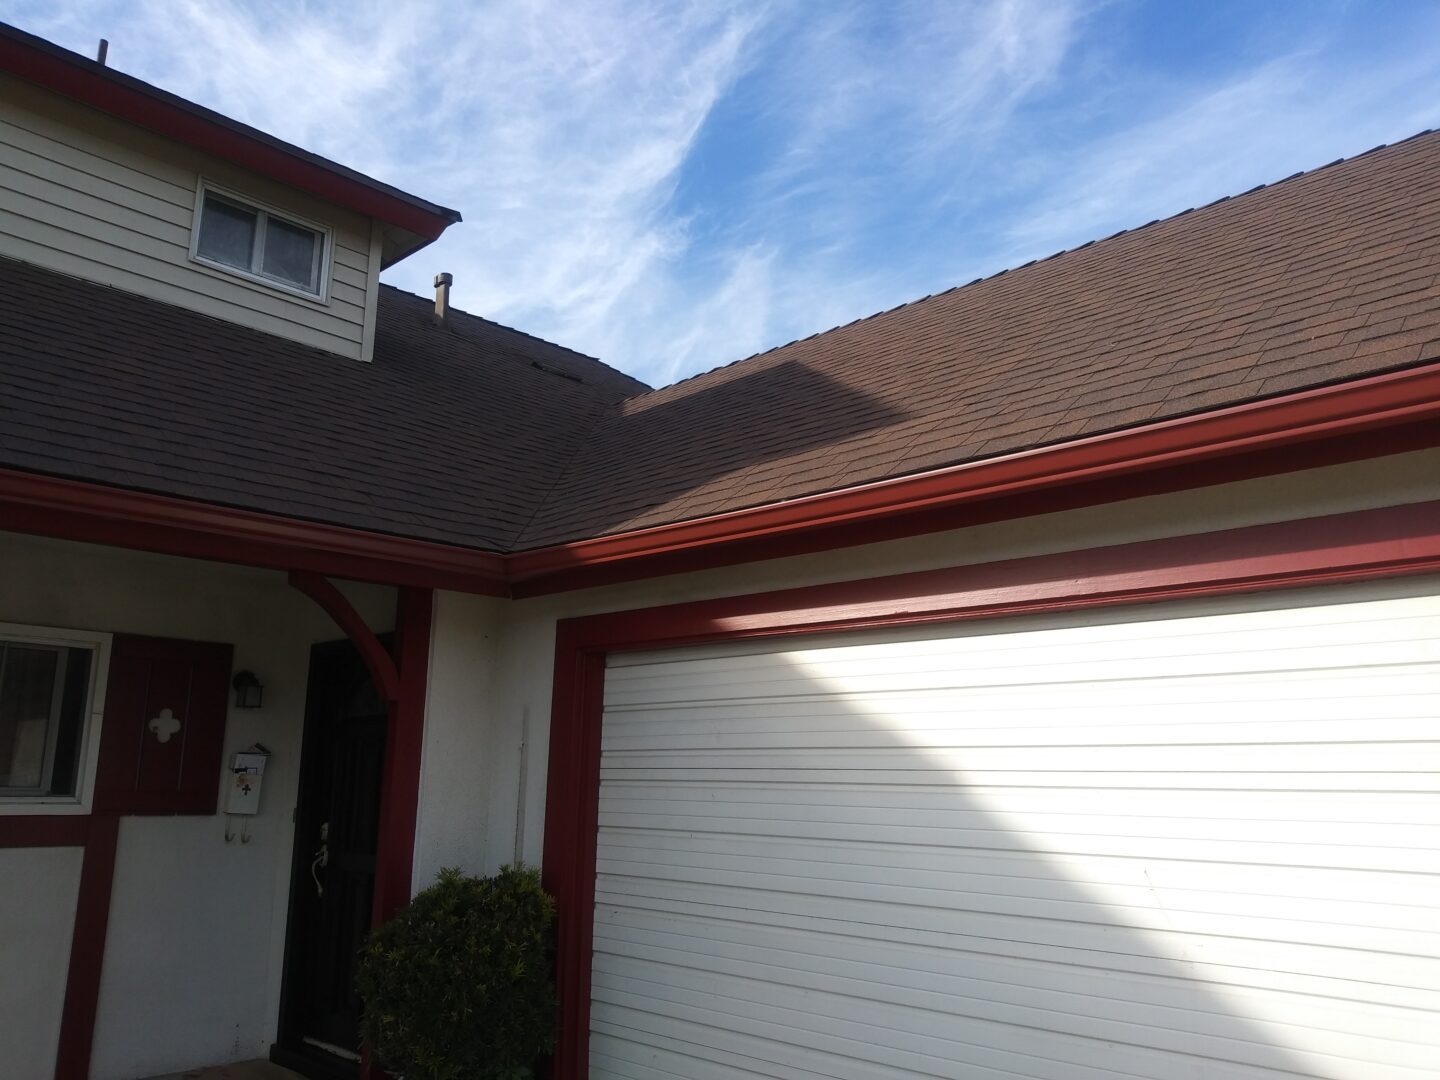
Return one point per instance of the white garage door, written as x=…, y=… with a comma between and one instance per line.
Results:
x=1182, y=842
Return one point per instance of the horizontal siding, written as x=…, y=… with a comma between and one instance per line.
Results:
x=101, y=200
x=1195, y=842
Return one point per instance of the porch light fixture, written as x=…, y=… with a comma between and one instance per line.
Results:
x=248, y=690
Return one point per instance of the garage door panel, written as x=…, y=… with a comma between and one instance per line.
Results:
x=1323, y=694
x=969, y=1009
x=1025, y=965
x=624, y=1052
x=1344, y=951
x=804, y=957
x=1007, y=873
x=1194, y=840
x=1380, y=808
x=1397, y=779
x=710, y=1043
x=616, y=812
x=977, y=761
x=930, y=1042
x=764, y=830
x=1038, y=895
x=1332, y=730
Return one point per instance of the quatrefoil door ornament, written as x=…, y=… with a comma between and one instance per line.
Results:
x=164, y=725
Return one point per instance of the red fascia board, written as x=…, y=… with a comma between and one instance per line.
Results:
x=1366, y=544
x=95, y=513
x=1409, y=399
x=129, y=99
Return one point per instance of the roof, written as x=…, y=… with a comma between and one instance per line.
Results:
x=472, y=434
x=454, y=433
x=1325, y=276
x=127, y=98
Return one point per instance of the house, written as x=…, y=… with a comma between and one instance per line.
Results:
x=1039, y=679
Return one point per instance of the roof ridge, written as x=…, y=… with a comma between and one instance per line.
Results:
x=1043, y=259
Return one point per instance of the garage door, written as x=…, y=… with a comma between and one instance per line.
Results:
x=1179, y=842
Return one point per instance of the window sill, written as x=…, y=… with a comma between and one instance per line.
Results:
x=318, y=299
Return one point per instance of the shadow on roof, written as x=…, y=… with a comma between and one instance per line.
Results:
x=725, y=429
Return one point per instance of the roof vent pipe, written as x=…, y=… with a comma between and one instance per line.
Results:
x=442, y=294
x=102, y=52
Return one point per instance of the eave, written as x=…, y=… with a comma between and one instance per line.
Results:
x=126, y=98
x=1363, y=418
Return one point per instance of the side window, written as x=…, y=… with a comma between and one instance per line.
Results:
x=46, y=704
x=259, y=243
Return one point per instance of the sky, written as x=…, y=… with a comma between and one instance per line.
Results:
x=671, y=186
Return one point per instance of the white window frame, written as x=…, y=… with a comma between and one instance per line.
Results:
x=89, y=752
x=263, y=211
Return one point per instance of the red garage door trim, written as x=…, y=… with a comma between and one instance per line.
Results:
x=1401, y=540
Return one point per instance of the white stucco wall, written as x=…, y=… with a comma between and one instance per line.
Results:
x=500, y=793
x=37, y=898
x=196, y=939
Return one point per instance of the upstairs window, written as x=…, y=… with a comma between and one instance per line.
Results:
x=44, y=706
x=260, y=243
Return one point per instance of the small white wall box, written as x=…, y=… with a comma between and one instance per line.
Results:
x=247, y=769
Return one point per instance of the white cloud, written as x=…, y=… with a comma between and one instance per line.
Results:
x=1292, y=113
x=560, y=130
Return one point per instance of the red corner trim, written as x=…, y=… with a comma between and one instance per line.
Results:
x=95, y=513
x=405, y=736
x=87, y=949
x=132, y=100
x=382, y=668
x=1353, y=411
x=1401, y=540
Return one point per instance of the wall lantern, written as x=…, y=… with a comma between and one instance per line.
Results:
x=248, y=690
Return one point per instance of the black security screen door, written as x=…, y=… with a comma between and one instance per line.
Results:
x=333, y=878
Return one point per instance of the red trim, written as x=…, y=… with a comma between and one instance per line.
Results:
x=130, y=99
x=382, y=667
x=1343, y=547
x=43, y=830
x=87, y=950
x=74, y=510
x=400, y=792
x=1229, y=443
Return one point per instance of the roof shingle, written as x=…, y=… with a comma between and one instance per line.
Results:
x=1328, y=275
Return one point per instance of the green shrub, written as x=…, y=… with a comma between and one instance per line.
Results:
x=458, y=985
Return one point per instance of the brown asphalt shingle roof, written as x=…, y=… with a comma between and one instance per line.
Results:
x=454, y=433
x=1326, y=276
x=473, y=434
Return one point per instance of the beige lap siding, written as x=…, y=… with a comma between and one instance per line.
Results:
x=100, y=199
x=1180, y=841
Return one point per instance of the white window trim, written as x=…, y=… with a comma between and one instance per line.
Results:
x=99, y=646
x=326, y=233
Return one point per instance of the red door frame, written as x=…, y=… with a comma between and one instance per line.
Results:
x=1364, y=545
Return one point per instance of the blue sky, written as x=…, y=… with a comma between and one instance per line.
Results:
x=673, y=186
